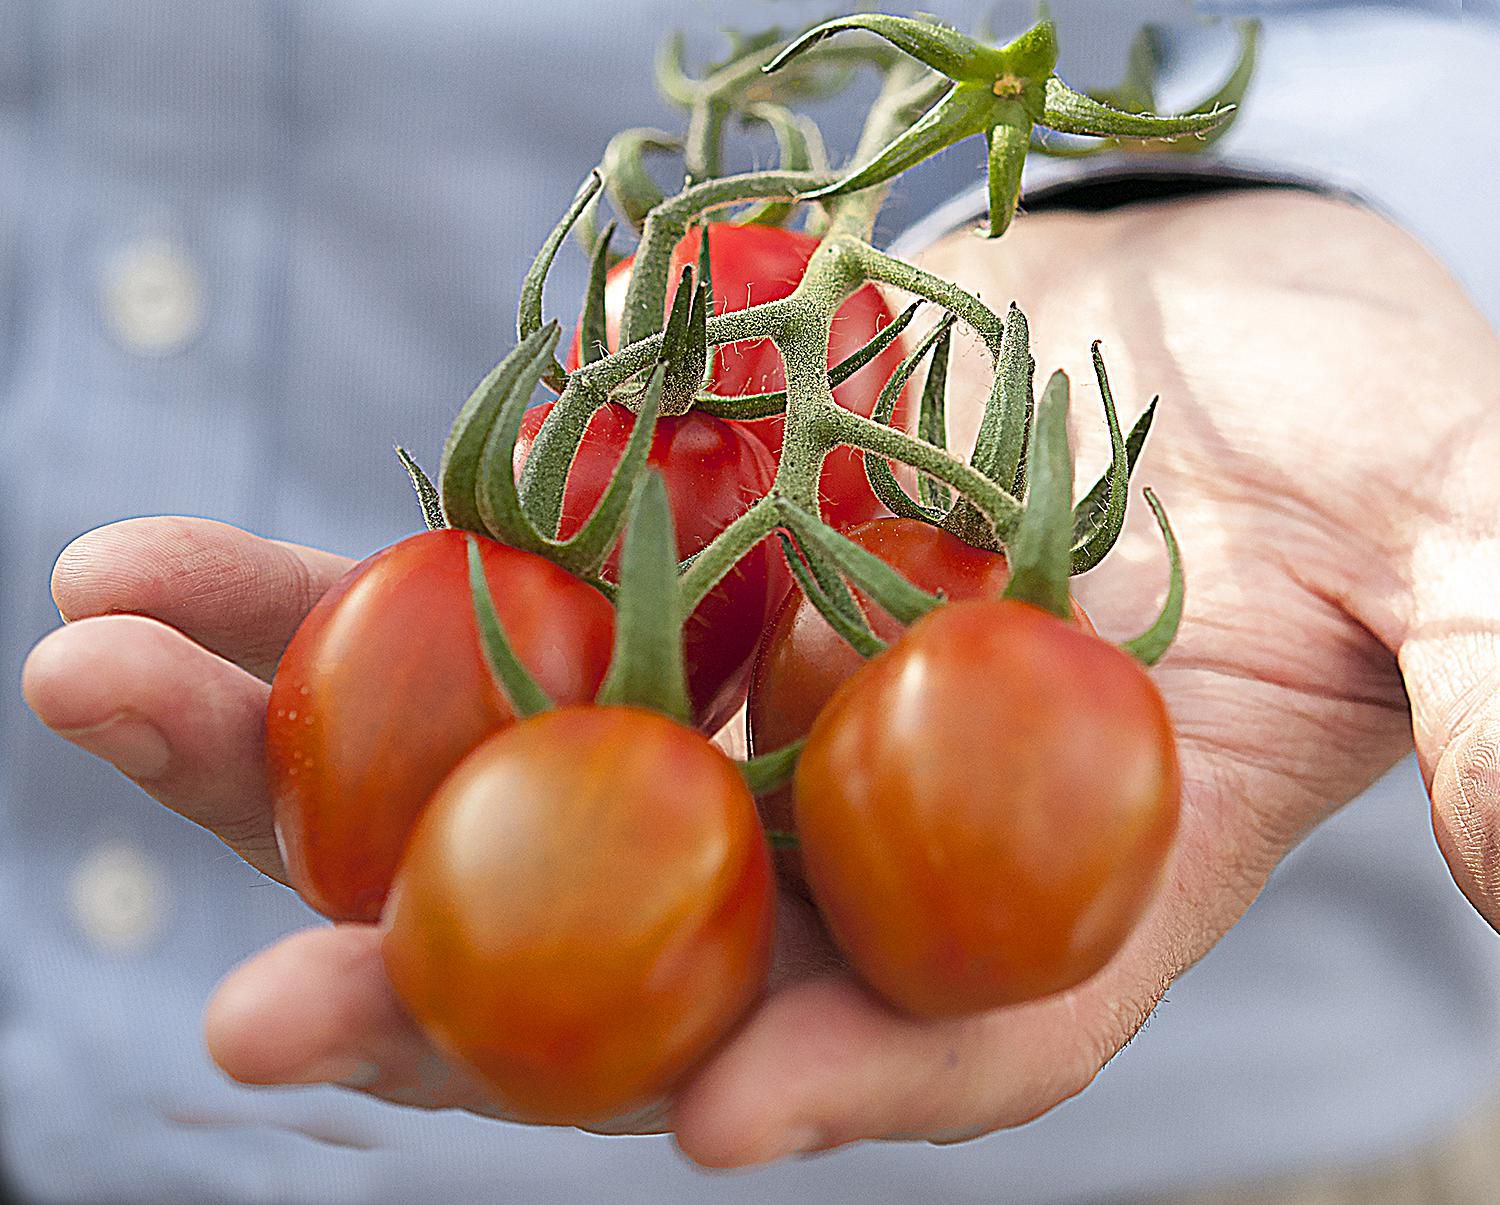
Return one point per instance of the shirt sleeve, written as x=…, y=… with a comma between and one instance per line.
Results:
x=1392, y=106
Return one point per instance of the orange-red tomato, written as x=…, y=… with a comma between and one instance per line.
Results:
x=584, y=910
x=384, y=689
x=713, y=471
x=802, y=660
x=987, y=807
x=755, y=264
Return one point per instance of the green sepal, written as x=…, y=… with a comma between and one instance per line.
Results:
x=777, y=839
x=427, y=494
x=524, y=694
x=764, y=405
x=800, y=148
x=1033, y=55
x=529, y=312
x=1000, y=445
x=495, y=492
x=1136, y=93
x=458, y=475
x=1105, y=529
x=1232, y=91
x=1151, y=645
x=684, y=346
x=1070, y=112
x=705, y=259
x=940, y=47
x=769, y=771
x=1003, y=430
x=965, y=110
x=1008, y=143
x=593, y=341
x=1089, y=512
x=881, y=584
x=877, y=468
x=1039, y=552
x=647, y=668
x=932, y=420
x=586, y=550
x=836, y=606
x=631, y=187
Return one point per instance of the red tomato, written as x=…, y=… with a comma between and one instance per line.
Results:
x=987, y=807
x=384, y=689
x=754, y=264
x=585, y=909
x=713, y=471
x=802, y=660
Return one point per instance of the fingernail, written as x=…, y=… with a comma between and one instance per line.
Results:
x=130, y=744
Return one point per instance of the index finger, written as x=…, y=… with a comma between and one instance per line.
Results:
x=237, y=594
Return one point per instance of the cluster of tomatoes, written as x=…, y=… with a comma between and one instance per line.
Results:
x=579, y=905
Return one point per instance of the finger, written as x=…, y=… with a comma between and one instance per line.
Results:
x=185, y=725
x=1466, y=804
x=825, y=1064
x=1449, y=652
x=234, y=593
x=318, y=1008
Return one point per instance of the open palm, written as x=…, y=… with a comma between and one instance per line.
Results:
x=1321, y=445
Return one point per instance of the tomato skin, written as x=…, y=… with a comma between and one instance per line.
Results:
x=384, y=689
x=585, y=910
x=712, y=471
x=987, y=808
x=755, y=264
x=802, y=660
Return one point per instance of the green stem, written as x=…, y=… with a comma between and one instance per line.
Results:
x=713, y=564
x=646, y=299
x=999, y=507
x=972, y=312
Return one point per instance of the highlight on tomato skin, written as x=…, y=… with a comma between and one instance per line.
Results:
x=384, y=689
x=713, y=471
x=754, y=264
x=987, y=808
x=584, y=911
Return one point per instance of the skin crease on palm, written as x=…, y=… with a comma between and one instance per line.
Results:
x=1325, y=447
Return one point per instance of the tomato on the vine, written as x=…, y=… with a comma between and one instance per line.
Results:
x=712, y=470
x=987, y=808
x=754, y=264
x=584, y=910
x=802, y=660
x=384, y=689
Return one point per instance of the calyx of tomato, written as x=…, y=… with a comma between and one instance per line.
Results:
x=1003, y=92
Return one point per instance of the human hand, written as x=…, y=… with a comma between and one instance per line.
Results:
x=1328, y=558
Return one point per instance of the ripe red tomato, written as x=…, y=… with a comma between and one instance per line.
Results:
x=712, y=471
x=584, y=910
x=754, y=264
x=987, y=808
x=802, y=660
x=384, y=689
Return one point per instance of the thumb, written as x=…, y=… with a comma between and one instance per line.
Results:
x=1450, y=661
x=1465, y=782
